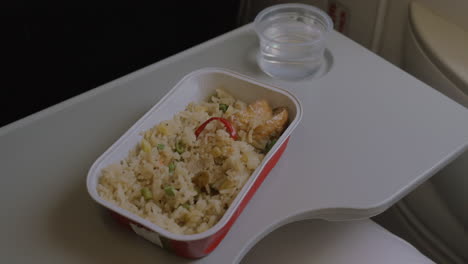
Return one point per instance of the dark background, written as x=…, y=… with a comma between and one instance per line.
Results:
x=55, y=50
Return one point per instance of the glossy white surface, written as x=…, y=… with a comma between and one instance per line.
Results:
x=370, y=133
x=318, y=241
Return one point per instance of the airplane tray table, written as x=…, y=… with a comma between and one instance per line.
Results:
x=370, y=133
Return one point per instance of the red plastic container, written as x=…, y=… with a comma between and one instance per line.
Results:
x=197, y=86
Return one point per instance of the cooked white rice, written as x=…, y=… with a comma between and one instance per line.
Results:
x=186, y=192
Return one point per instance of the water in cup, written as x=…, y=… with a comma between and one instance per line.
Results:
x=292, y=40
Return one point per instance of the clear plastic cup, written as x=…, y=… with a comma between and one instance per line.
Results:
x=292, y=40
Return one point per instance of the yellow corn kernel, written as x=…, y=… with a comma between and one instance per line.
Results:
x=186, y=218
x=244, y=158
x=216, y=151
x=162, y=129
x=226, y=184
x=145, y=146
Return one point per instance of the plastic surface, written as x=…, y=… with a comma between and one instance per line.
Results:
x=195, y=87
x=292, y=40
x=370, y=133
x=318, y=241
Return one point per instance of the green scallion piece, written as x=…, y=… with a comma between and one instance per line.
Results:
x=269, y=145
x=171, y=167
x=146, y=193
x=169, y=190
x=180, y=147
x=223, y=107
x=160, y=146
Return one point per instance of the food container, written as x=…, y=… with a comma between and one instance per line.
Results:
x=197, y=86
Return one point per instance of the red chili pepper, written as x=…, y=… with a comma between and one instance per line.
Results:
x=230, y=129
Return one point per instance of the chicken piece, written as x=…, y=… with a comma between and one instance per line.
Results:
x=267, y=124
x=258, y=112
x=272, y=128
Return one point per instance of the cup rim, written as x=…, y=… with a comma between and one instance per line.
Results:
x=318, y=12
